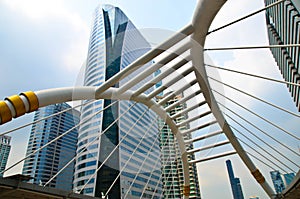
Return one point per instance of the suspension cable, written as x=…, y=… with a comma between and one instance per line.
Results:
x=164, y=144
x=257, y=98
x=272, y=168
x=253, y=75
x=259, y=129
x=260, y=139
x=253, y=47
x=89, y=144
x=151, y=125
x=247, y=16
x=264, y=150
x=39, y=120
x=109, y=155
x=57, y=138
x=269, y=122
x=160, y=177
x=144, y=161
x=261, y=154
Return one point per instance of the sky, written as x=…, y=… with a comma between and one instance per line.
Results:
x=43, y=44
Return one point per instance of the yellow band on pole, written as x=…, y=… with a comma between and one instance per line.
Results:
x=18, y=104
x=258, y=176
x=32, y=99
x=186, y=190
x=5, y=113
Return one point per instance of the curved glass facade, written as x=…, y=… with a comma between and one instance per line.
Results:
x=114, y=44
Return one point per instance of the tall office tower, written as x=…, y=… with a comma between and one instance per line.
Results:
x=172, y=170
x=283, y=22
x=4, y=152
x=47, y=162
x=288, y=178
x=131, y=170
x=281, y=181
x=277, y=181
x=234, y=182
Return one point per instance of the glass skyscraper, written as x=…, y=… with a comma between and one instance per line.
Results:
x=281, y=181
x=277, y=181
x=114, y=44
x=283, y=22
x=172, y=170
x=47, y=162
x=234, y=182
x=4, y=152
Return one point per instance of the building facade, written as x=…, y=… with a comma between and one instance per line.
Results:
x=4, y=152
x=288, y=178
x=235, y=183
x=172, y=170
x=281, y=181
x=277, y=181
x=132, y=170
x=283, y=23
x=47, y=162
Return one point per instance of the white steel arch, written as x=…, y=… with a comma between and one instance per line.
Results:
x=196, y=32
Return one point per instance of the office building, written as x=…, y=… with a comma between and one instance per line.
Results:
x=277, y=181
x=172, y=170
x=50, y=160
x=4, y=152
x=235, y=183
x=288, y=178
x=283, y=23
x=281, y=181
x=133, y=169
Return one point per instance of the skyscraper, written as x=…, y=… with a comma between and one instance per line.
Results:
x=4, y=152
x=281, y=181
x=234, y=182
x=47, y=162
x=288, y=178
x=283, y=22
x=172, y=170
x=277, y=181
x=115, y=43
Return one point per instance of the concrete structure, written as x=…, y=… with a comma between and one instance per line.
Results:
x=47, y=162
x=236, y=186
x=114, y=44
x=283, y=22
x=4, y=152
x=172, y=170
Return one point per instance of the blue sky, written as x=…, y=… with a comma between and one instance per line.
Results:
x=43, y=44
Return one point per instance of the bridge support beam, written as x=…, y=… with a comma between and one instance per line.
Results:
x=205, y=12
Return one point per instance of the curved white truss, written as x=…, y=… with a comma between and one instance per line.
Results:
x=204, y=14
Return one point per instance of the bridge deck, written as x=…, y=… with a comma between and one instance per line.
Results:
x=16, y=189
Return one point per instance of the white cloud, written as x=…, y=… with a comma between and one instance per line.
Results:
x=43, y=12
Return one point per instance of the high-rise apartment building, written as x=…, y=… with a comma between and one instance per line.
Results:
x=47, y=162
x=234, y=182
x=281, y=181
x=172, y=170
x=4, y=152
x=283, y=23
x=277, y=181
x=288, y=178
x=131, y=170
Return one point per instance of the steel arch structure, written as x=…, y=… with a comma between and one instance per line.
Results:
x=192, y=39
